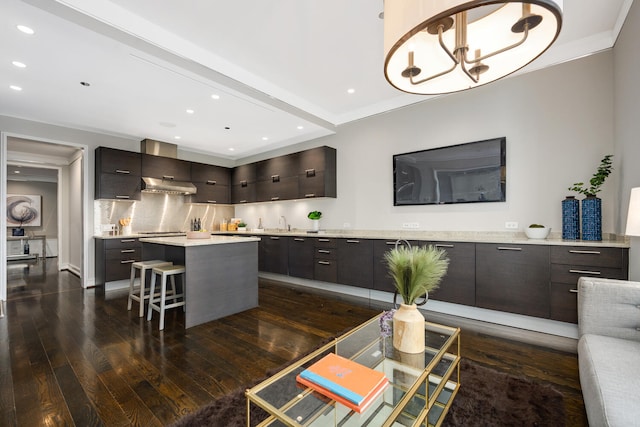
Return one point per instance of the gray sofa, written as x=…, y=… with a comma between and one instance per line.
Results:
x=609, y=350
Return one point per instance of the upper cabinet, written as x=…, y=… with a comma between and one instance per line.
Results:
x=243, y=184
x=277, y=178
x=117, y=174
x=212, y=182
x=317, y=173
x=165, y=168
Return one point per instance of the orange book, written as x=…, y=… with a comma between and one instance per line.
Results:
x=357, y=408
x=344, y=378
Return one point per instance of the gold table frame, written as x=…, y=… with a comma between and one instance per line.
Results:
x=421, y=390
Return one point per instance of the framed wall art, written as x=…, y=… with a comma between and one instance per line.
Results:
x=24, y=210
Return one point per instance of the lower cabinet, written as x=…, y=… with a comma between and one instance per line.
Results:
x=513, y=278
x=113, y=258
x=459, y=284
x=275, y=254
x=301, y=257
x=325, y=260
x=356, y=262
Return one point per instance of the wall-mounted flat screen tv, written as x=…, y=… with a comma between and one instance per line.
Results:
x=465, y=173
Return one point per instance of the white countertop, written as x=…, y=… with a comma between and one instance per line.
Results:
x=183, y=241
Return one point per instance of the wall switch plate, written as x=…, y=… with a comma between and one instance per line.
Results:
x=512, y=225
x=410, y=225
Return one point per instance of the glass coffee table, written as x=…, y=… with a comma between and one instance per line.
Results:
x=421, y=390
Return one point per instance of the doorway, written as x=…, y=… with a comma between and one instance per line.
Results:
x=67, y=161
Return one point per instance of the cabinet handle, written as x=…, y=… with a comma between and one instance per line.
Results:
x=310, y=195
x=275, y=178
x=442, y=245
x=212, y=201
x=275, y=198
x=128, y=261
x=124, y=171
x=323, y=251
x=507, y=248
x=243, y=183
x=310, y=173
x=573, y=291
x=298, y=239
x=324, y=263
x=597, y=273
x=585, y=252
x=122, y=197
x=211, y=182
x=127, y=240
x=127, y=251
x=243, y=201
x=353, y=241
x=167, y=176
x=274, y=238
x=390, y=243
x=323, y=240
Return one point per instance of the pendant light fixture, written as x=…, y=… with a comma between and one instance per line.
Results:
x=443, y=46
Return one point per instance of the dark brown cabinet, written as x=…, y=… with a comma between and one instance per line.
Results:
x=513, y=278
x=243, y=184
x=301, y=257
x=277, y=178
x=275, y=254
x=117, y=174
x=317, y=173
x=165, y=168
x=113, y=258
x=212, y=182
x=569, y=263
x=459, y=284
x=325, y=259
x=356, y=262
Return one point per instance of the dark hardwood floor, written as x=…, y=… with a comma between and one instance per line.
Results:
x=70, y=356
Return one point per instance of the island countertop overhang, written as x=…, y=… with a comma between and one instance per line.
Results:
x=185, y=242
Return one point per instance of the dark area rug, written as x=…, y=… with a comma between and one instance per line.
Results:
x=486, y=398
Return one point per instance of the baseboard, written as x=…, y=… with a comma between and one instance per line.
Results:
x=543, y=332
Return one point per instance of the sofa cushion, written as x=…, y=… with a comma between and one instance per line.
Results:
x=610, y=380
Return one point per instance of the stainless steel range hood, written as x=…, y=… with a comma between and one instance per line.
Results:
x=157, y=185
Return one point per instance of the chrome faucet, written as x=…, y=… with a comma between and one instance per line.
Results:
x=284, y=220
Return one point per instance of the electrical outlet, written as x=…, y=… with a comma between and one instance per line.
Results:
x=410, y=225
x=406, y=225
x=512, y=225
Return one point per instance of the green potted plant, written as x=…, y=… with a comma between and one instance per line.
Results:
x=415, y=272
x=604, y=170
x=315, y=216
x=537, y=231
x=242, y=226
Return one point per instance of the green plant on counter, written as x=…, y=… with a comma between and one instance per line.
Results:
x=597, y=180
x=416, y=270
x=314, y=215
x=536, y=226
x=242, y=224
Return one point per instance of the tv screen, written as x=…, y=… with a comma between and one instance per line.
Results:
x=465, y=173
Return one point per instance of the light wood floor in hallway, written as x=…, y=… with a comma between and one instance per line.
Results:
x=70, y=356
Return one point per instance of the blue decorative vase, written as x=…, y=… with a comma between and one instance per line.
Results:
x=592, y=218
x=570, y=218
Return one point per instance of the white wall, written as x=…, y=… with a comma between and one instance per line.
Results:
x=627, y=126
x=558, y=123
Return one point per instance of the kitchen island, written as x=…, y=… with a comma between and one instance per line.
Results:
x=221, y=273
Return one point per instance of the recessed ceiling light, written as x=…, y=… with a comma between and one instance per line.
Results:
x=190, y=111
x=300, y=127
x=25, y=29
x=16, y=88
x=19, y=64
x=177, y=137
x=351, y=91
x=215, y=96
x=232, y=149
x=264, y=138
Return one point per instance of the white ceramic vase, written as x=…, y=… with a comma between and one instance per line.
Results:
x=408, y=329
x=315, y=224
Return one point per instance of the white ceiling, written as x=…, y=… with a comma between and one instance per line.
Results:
x=281, y=68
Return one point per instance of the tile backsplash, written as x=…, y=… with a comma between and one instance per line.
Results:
x=159, y=212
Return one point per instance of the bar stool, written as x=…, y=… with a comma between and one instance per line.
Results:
x=142, y=266
x=165, y=271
